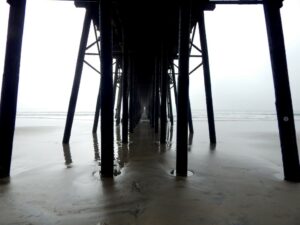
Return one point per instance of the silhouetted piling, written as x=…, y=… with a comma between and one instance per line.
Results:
x=174, y=86
x=97, y=111
x=190, y=117
x=131, y=96
x=77, y=77
x=207, y=82
x=10, y=83
x=284, y=105
x=183, y=90
x=152, y=111
x=157, y=104
x=119, y=101
x=170, y=107
x=107, y=112
x=115, y=80
x=125, y=91
x=98, y=103
x=163, y=107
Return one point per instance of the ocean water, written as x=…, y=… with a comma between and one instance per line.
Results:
x=198, y=115
x=38, y=139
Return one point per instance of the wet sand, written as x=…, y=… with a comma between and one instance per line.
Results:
x=239, y=182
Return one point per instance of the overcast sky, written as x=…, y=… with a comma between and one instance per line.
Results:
x=238, y=49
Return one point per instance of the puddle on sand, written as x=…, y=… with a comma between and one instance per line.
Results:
x=97, y=172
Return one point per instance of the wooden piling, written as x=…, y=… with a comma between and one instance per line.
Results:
x=107, y=112
x=163, y=107
x=152, y=111
x=115, y=81
x=77, y=77
x=10, y=83
x=157, y=103
x=174, y=86
x=207, y=82
x=131, y=95
x=97, y=111
x=183, y=90
x=119, y=101
x=190, y=117
x=170, y=107
x=284, y=104
x=125, y=90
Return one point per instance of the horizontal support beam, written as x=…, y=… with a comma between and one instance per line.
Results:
x=85, y=3
x=241, y=2
x=91, y=53
x=212, y=1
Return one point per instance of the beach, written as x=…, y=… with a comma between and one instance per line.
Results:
x=237, y=182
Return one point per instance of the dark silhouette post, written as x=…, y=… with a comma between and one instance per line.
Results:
x=131, y=95
x=156, y=111
x=284, y=104
x=77, y=77
x=125, y=90
x=135, y=106
x=116, y=80
x=163, y=107
x=97, y=111
x=190, y=117
x=107, y=112
x=183, y=89
x=98, y=103
x=152, y=111
x=10, y=83
x=96, y=147
x=207, y=83
x=170, y=105
x=174, y=85
x=119, y=101
x=67, y=155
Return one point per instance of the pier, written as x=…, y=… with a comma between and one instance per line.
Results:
x=147, y=167
x=145, y=73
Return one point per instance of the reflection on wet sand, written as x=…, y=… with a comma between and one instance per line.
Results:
x=169, y=133
x=190, y=141
x=191, y=136
x=121, y=151
x=96, y=147
x=162, y=148
x=67, y=155
x=213, y=147
x=121, y=155
x=118, y=134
